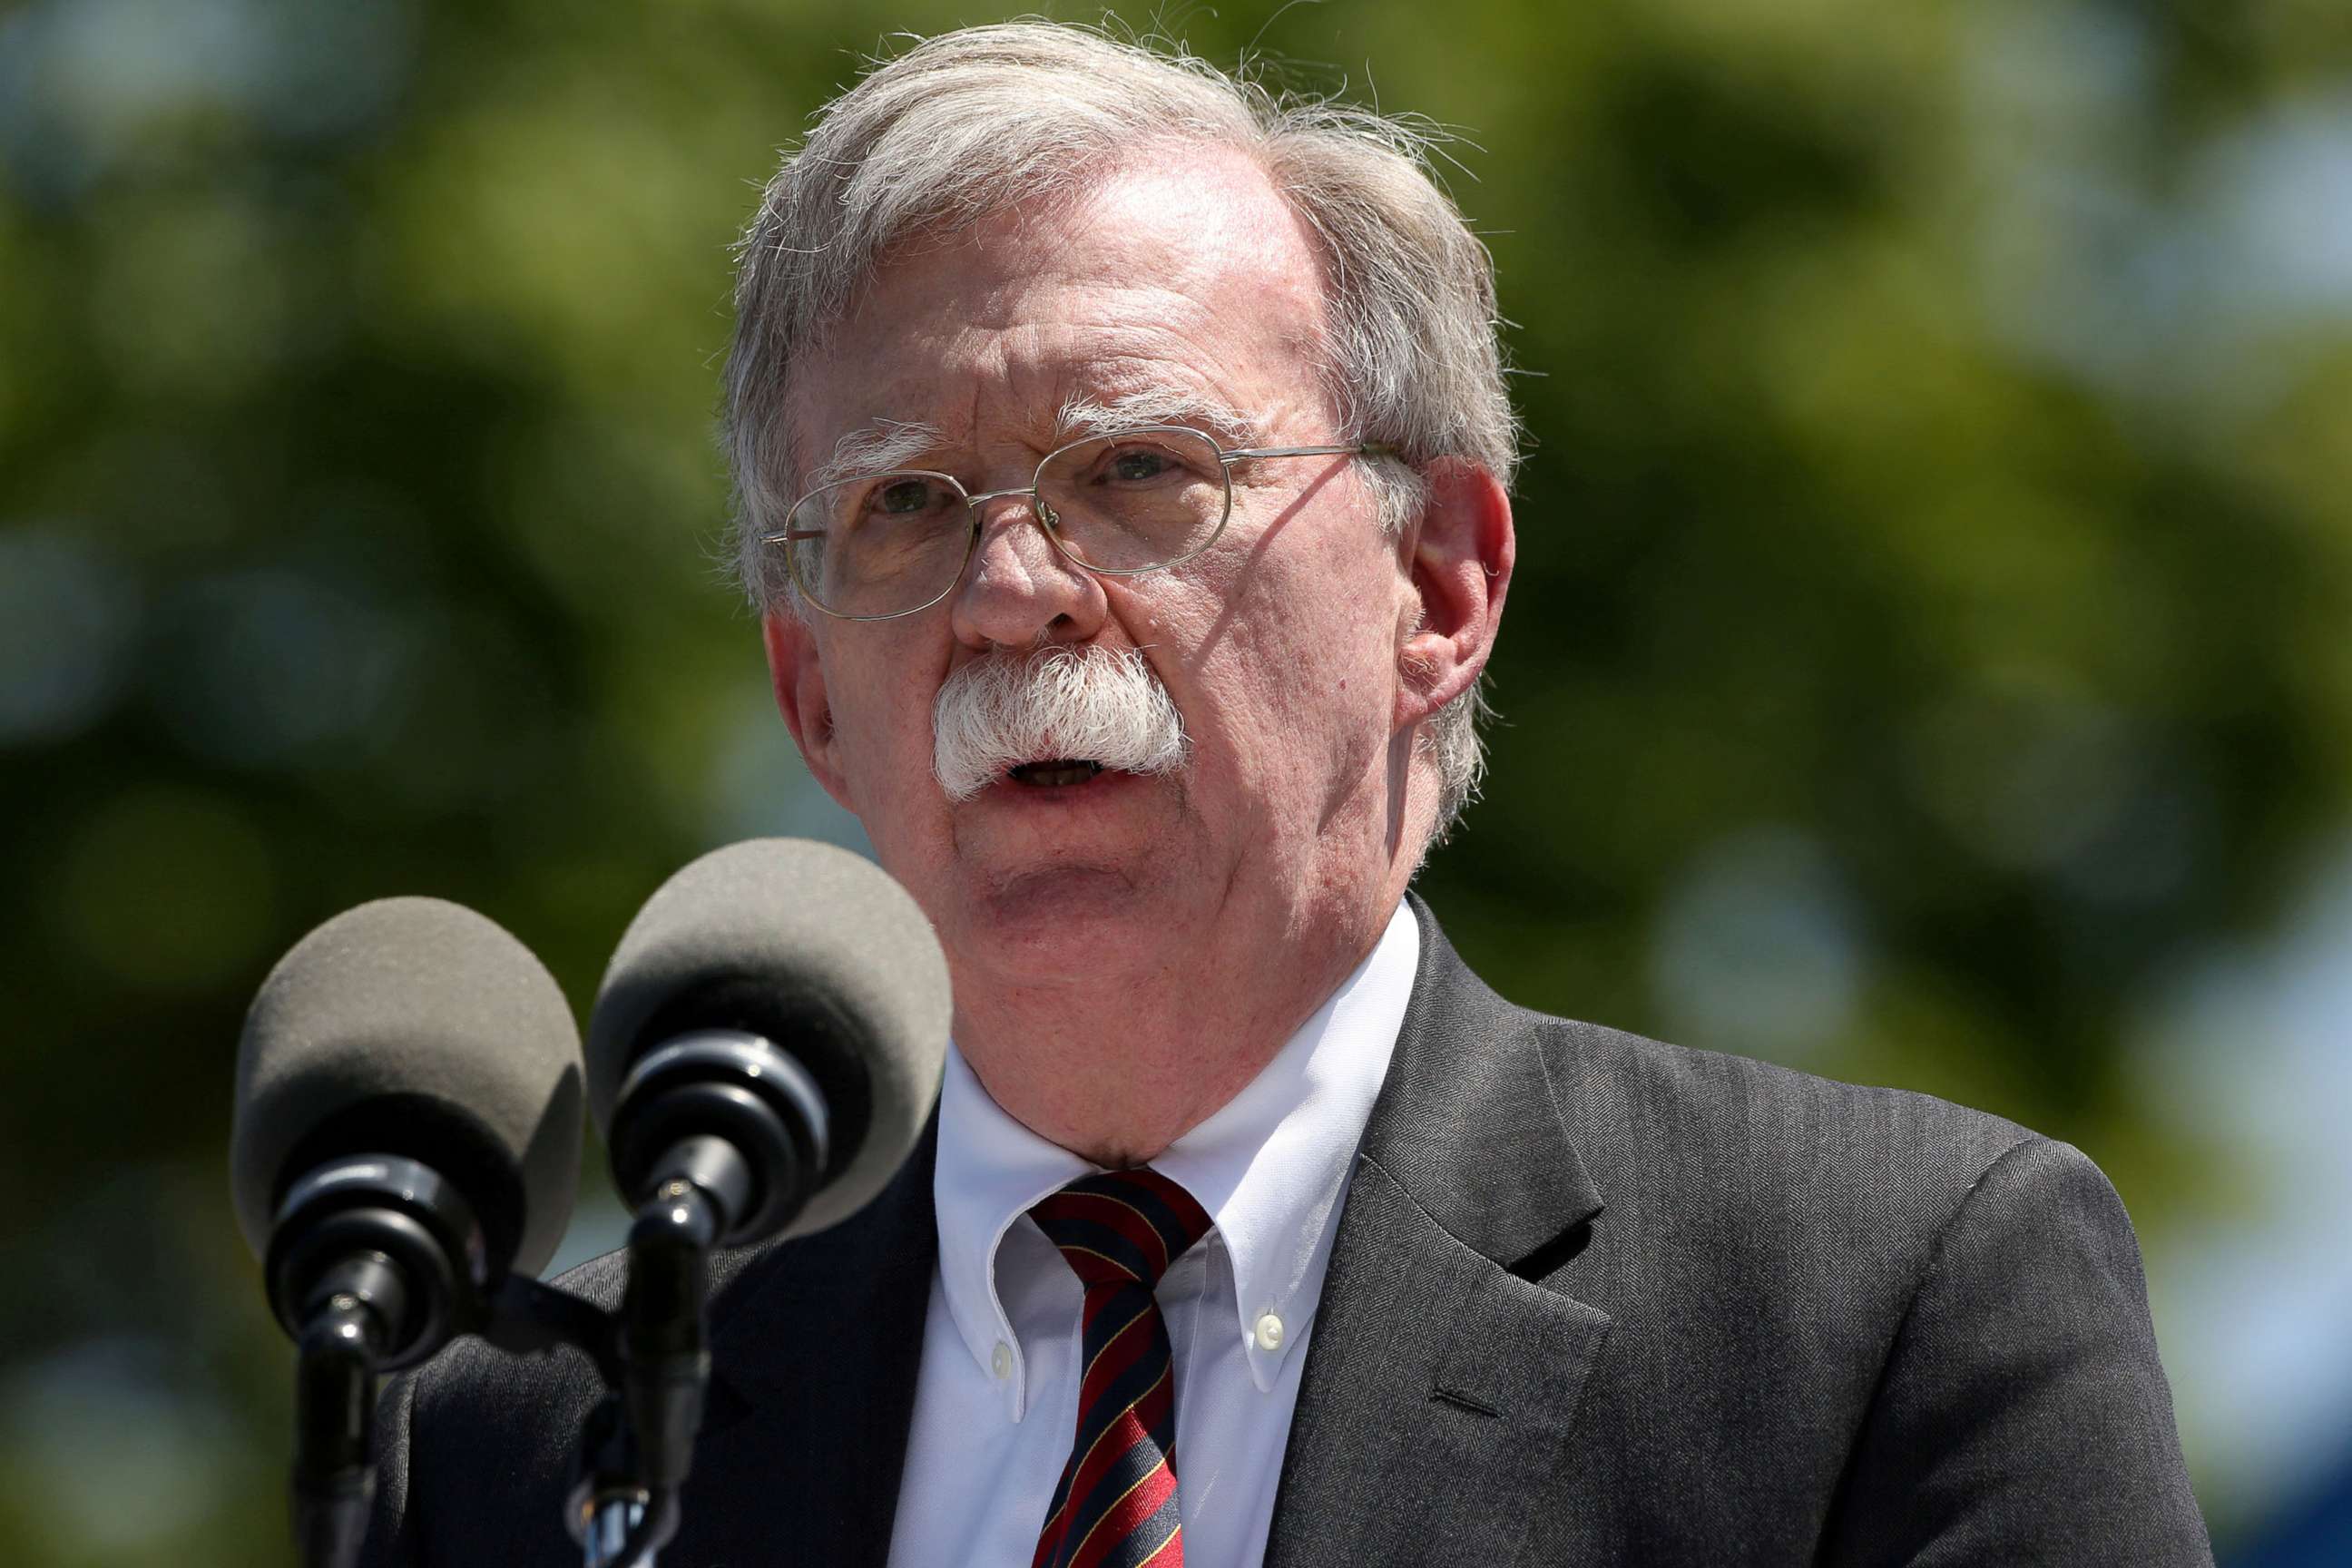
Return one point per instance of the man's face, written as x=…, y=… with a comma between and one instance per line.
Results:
x=1187, y=281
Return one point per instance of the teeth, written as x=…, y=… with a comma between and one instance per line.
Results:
x=1059, y=771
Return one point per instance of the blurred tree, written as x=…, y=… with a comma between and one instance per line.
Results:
x=1929, y=631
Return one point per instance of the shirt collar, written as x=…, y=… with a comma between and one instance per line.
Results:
x=1270, y=1166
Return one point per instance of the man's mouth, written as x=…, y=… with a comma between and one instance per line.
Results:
x=1054, y=773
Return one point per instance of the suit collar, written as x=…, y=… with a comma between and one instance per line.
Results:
x=1469, y=1124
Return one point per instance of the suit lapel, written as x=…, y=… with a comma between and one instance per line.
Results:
x=815, y=1348
x=1440, y=1381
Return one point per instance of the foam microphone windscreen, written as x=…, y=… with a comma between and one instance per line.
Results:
x=414, y=1028
x=821, y=952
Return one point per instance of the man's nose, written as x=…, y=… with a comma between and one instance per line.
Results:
x=1019, y=590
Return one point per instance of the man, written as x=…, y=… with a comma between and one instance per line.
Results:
x=1124, y=464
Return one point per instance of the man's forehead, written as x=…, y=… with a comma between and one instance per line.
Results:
x=1158, y=292
x=1218, y=188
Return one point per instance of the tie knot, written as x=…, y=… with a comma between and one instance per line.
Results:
x=1122, y=1227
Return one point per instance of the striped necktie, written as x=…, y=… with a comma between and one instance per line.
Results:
x=1116, y=1505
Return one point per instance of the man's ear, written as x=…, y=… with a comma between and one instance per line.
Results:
x=796, y=674
x=1459, y=555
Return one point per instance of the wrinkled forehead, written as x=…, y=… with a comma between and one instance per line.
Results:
x=1178, y=285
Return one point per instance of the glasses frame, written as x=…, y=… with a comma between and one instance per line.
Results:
x=1045, y=517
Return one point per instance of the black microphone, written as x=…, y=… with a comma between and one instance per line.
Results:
x=406, y=1135
x=764, y=1052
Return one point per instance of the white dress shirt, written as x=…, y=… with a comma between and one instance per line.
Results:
x=996, y=1397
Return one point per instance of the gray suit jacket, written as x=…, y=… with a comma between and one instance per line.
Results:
x=1593, y=1299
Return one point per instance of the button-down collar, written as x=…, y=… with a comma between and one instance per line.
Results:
x=1271, y=1166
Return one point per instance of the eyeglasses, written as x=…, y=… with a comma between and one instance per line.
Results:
x=892, y=543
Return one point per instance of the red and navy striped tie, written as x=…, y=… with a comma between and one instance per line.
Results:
x=1116, y=1506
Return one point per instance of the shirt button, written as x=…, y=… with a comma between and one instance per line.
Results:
x=1269, y=1332
x=1001, y=1360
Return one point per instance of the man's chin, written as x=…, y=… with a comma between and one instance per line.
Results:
x=1042, y=869
x=1054, y=923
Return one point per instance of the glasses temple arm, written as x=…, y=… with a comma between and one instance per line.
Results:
x=1361, y=449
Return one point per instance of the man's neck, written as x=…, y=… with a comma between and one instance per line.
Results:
x=1116, y=1071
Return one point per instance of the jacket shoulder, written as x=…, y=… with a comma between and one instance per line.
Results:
x=1729, y=1118
x=1724, y=1163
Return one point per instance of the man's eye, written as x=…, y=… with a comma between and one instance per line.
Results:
x=904, y=498
x=1135, y=465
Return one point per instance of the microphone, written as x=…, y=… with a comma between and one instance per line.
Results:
x=763, y=1054
x=406, y=1135
x=786, y=996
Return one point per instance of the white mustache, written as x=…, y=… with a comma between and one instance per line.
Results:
x=1061, y=703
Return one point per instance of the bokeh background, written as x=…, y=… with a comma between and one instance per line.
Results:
x=1928, y=663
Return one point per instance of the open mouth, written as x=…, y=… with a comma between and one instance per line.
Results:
x=1056, y=771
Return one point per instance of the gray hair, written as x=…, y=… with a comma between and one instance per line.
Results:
x=976, y=122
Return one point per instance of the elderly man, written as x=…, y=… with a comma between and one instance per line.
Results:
x=1124, y=460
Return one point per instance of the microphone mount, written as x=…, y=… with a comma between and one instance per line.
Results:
x=718, y=1138
x=374, y=1262
x=427, y=1262
x=730, y=1113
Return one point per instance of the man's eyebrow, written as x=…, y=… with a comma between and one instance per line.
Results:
x=874, y=447
x=1082, y=416
x=881, y=445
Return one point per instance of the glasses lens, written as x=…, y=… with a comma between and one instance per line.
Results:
x=878, y=546
x=1142, y=498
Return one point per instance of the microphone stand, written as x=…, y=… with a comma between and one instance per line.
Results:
x=356, y=1320
x=618, y=1521
x=371, y=1260
x=334, y=1409
x=618, y=1515
x=722, y=1136
x=375, y=1261
x=636, y=1449
x=638, y=1443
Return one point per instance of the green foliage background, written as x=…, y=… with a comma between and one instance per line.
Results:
x=1929, y=640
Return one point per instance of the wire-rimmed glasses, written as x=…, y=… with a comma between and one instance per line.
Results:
x=1139, y=501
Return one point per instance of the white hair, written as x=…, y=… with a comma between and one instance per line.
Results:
x=1066, y=702
x=975, y=122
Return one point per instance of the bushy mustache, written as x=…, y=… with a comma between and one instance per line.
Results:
x=1061, y=703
